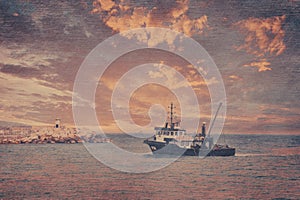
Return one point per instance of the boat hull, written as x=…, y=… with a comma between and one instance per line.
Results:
x=173, y=149
x=222, y=152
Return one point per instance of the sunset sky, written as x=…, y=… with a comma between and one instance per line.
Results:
x=255, y=45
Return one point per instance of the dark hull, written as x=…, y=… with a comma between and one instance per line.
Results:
x=222, y=152
x=173, y=149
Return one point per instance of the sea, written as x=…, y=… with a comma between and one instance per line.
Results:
x=265, y=167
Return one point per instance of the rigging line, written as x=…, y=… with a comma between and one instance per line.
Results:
x=213, y=122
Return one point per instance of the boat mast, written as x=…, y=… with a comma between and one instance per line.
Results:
x=172, y=124
x=171, y=114
x=213, y=122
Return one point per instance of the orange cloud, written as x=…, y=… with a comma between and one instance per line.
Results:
x=106, y=4
x=190, y=27
x=233, y=78
x=262, y=65
x=263, y=38
x=121, y=17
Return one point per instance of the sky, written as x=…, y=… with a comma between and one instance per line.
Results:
x=255, y=45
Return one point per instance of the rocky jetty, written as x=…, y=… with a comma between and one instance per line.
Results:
x=39, y=136
x=50, y=135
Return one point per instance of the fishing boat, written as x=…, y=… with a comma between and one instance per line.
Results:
x=171, y=139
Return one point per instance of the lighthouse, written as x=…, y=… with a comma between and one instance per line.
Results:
x=57, y=123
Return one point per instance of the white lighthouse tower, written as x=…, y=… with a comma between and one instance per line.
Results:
x=57, y=123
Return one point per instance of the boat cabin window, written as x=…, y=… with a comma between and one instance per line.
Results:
x=172, y=133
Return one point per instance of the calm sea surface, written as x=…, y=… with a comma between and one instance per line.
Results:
x=265, y=167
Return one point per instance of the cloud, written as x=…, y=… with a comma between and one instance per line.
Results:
x=19, y=70
x=264, y=38
x=106, y=5
x=42, y=46
x=26, y=87
x=120, y=17
x=234, y=78
x=281, y=117
x=262, y=65
x=18, y=55
x=24, y=96
x=190, y=27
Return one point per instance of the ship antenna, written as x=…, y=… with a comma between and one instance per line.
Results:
x=171, y=113
x=213, y=122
